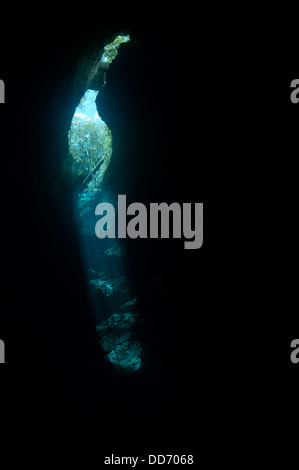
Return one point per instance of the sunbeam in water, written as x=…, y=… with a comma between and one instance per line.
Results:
x=90, y=144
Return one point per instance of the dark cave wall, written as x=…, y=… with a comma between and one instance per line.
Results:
x=185, y=117
x=151, y=122
x=148, y=103
x=65, y=91
x=150, y=112
x=149, y=106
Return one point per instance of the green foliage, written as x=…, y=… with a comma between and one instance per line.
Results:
x=90, y=143
x=90, y=140
x=111, y=49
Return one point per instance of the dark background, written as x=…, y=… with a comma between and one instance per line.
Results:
x=197, y=113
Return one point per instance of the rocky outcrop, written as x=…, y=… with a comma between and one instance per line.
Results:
x=118, y=342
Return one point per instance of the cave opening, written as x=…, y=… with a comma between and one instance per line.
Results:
x=90, y=139
x=90, y=145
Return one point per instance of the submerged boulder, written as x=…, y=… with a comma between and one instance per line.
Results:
x=118, y=343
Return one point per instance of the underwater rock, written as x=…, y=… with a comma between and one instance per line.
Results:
x=107, y=286
x=117, y=341
x=117, y=320
x=114, y=250
x=129, y=303
x=126, y=355
x=112, y=341
x=103, y=285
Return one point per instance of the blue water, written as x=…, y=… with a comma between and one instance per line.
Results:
x=104, y=262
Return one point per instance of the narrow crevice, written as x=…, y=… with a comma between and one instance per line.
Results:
x=90, y=146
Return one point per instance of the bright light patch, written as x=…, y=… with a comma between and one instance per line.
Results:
x=90, y=142
x=90, y=139
x=87, y=108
